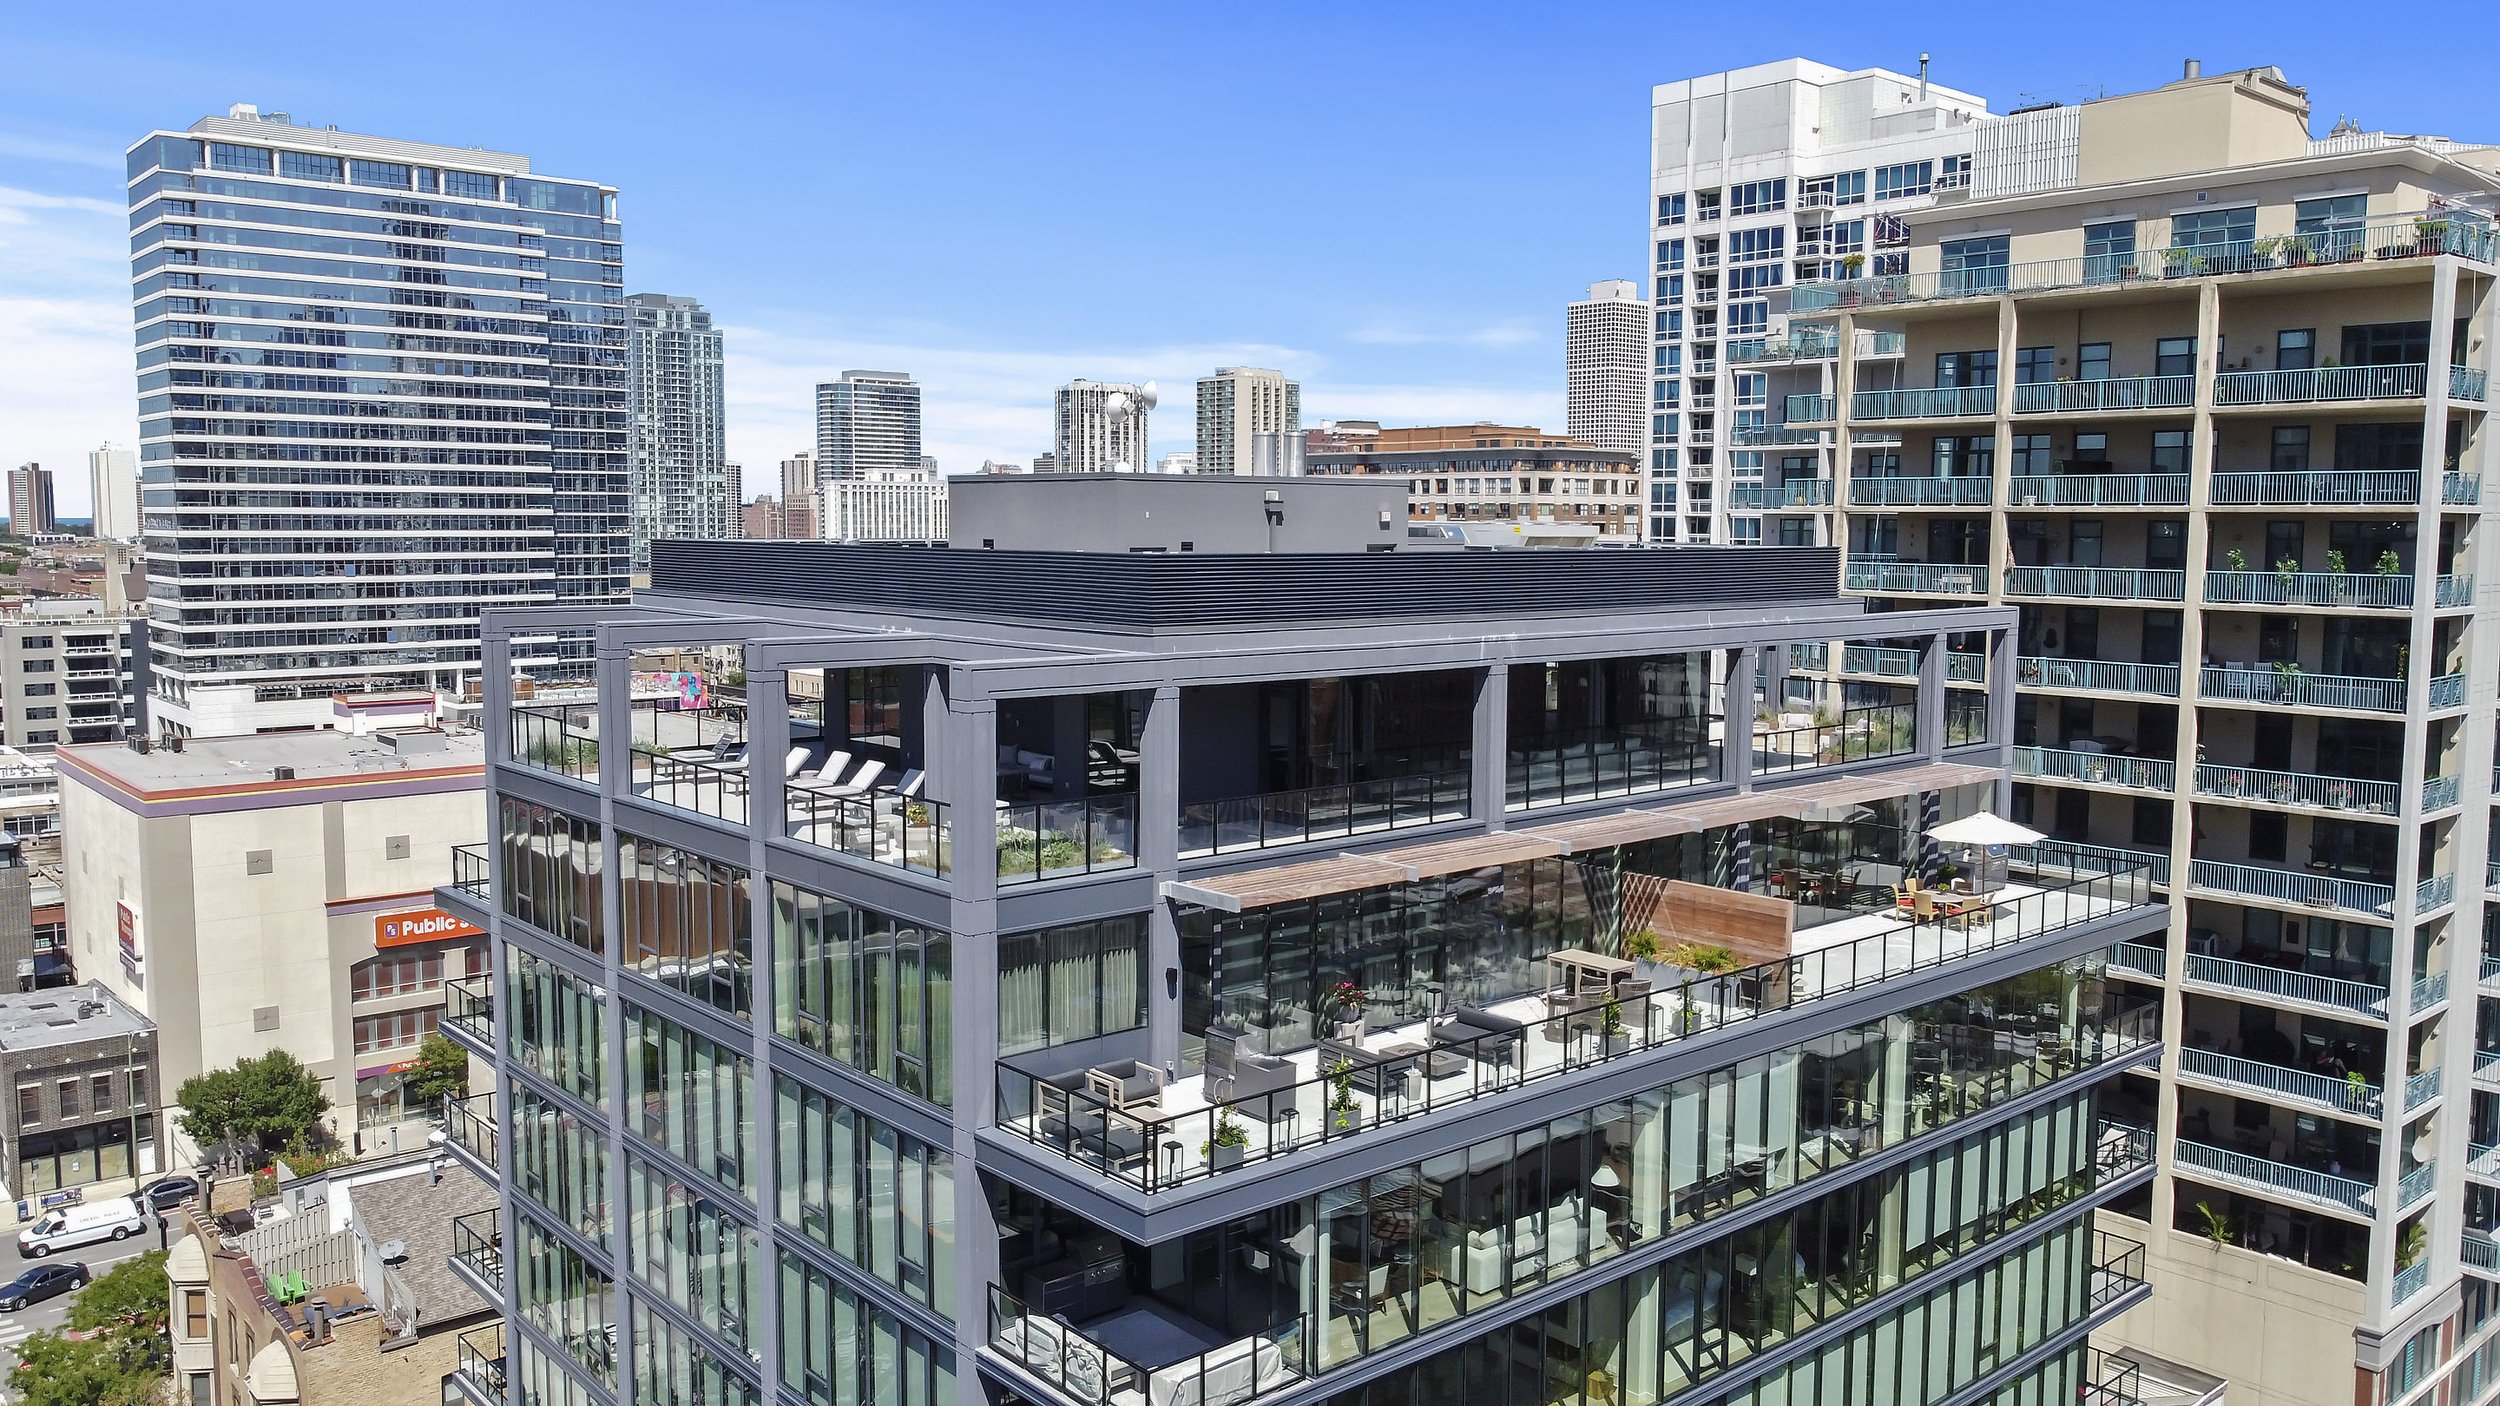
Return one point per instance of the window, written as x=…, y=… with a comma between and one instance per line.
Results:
x=100, y=1093
x=1670, y=253
x=2033, y=365
x=35, y=666
x=2174, y=356
x=29, y=1105
x=1671, y=323
x=1975, y=265
x=138, y=1088
x=1671, y=209
x=42, y=690
x=2387, y=344
x=2206, y=229
x=2108, y=251
x=2329, y=229
x=390, y=175
x=2291, y=449
x=865, y=1190
x=1847, y=236
x=866, y=989
x=395, y=974
x=1956, y=173
x=1904, y=180
x=2170, y=451
x=2092, y=362
x=469, y=185
x=2032, y=455
x=1755, y=245
x=551, y=867
x=1757, y=197
x=691, y=1095
x=384, y=1032
x=249, y=160
x=2295, y=349
x=1849, y=188
x=1747, y=278
x=688, y=922
x=1670, y=290
x=67, y=1092
x=1969, y=368
x=1071, y=983
x=307, y=166
x=195, y=1313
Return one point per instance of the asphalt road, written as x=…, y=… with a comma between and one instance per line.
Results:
x=17, y=1327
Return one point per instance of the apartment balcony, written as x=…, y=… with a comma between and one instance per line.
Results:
x=1808, y=409
x=2331, y=590
x=2460, y=490
x=2317, y=488
x=2448, y=691
x=2245, y=1171
x=2367, y=901
x=2099, y=491
x=1965, y=492
x=562, y=741
x=2483, y=1163
x=2489, y=976
x=1705, y=297
x=1444, y=792
x=2293, y=686
x=2321, y=385
x=1310, y=1091
x=2092, y=583
x=2349, y=1098
x=1760, y=436
x=2468, y=383
x=2454, y=593
x=2094, y=768
x=2487, y=1069
x=1103, y=1359
x=1913, y=577
x=2299, y=789
x=1593, y=763
x=2098, y=676
x=2422, y=1086
x=1962, y=667
x=470, y=1129
x=478, y=1370
x=2105, y=393
x=2328, y=995
x=1702, y=436
x=1925, y=403
x=469, y=1012
x=2480, y=1251
x=1878, y=661
x=477, y=1251
x=1796, y=493
x=469, y=870
x=2431, y=894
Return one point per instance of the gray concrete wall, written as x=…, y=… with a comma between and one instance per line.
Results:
x=1161, y=512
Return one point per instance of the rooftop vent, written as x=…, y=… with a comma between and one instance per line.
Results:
x=282, y=773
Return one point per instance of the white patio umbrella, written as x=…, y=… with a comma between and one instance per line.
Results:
x=1984, y=829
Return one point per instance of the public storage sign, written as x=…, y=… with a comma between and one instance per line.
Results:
x=420, y=925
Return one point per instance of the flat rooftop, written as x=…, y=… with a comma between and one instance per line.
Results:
x=34, y=1020
x=215, y=763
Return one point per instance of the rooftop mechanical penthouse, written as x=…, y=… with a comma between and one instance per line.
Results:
x=1326, y=974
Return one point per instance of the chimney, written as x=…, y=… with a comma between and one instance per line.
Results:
x=2194, y=69
x=1922, y=78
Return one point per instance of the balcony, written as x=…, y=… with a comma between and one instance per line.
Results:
x=2448, y=691
x=2095, y=768
x=2352, y=1097
x=1879, y=661
x=470, y=1127
x=469, y=1012
x=2454, y=593
x=1807, y=409
x=2302, y=789
x=2467, y=383
x=477, y=1247
x=1104, y=1358
x=2317, y=488
x=2335, y=590
x=2460, y=489
x=2327, y=994
x=2097, y=582
x=1758, y=436
x=2246, y=1171
x=2117, y=1270
x=2098, y=676
x=1925, y=402
x=1796, y=493
x=1858, y=734
x=2432, y=894
x=2105, y=393
x=563, y=741
x=1334, y=811
x=2320, y=385
x=2480, y=1251
x=2289, y=684
x=2139, y=959
x=1588, y=764
x=1966, y=492
x=2372, y=902
x=2409, y=1281
x=1913, y=577
x=1310, y=1091
x=479, y=1365
x=2099, y=491
x=469, y=869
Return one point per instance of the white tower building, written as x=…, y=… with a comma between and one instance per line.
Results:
x=1606, y=355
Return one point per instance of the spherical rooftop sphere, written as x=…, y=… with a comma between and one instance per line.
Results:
x=1115, y=404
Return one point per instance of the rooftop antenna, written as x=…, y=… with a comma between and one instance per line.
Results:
x=1922, y=77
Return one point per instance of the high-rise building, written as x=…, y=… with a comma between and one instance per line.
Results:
x=682, y=486
x=1764, y=176
x=340, y=505
x=868, y=428
x=1235, y=406
x=1606, y=357
x=992, y=1016
x=30, y=501
x=1046, y=462
x=2207, y=399
x=1179, y=461
x=1088, y=438
x=113, y=489
x=798, y=476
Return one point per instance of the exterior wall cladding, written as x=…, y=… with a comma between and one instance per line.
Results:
x=1069, y=996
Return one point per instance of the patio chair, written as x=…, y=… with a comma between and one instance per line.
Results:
x=824, y=772
x=1923, y=906
x=1126, y=1083
x=857, y=786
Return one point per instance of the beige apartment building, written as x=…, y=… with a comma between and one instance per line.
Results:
x=1498, y=473
x=277, y=892
x=2207, y=399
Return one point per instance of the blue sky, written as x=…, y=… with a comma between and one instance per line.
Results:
x=1391, y=202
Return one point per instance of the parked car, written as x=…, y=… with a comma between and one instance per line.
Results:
x=165, y=1193
x=44, y=1281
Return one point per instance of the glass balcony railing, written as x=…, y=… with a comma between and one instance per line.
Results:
x=2483, y=1160
x=2098, y=490
x=2105, y=393
x=2487, y=1068
x=2322, y=488
x=470, y=1124
x=2299, y=788
x=2271, y=1178
x=2155, y=864
x=469, y=1009
x=1556, y=768
x=1929, y=578
x=1771, y=497
x=1924, y=402
x=2329, y=993
x=2490, y=975
x=909, y=833
x=1964, y=492
x=1856, y=735
x=1084, y=1368
x=2290, y=684
x=2429, y=990
x=2099, y=675
x=2342, y=590
x=1759, y=436
x=2416, y=1186
x=477, y=1245
x=1040, y=840
x=2354, y=1096
x=2097, y=582
x=2095, y=768
x=2321, y=383
x=2373, y=901
x=469, y=871
x=559, y=740
x=1325, y=812
x=2422, y=1087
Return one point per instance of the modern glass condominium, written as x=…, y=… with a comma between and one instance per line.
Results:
x=382, y=389
x=1354, y=977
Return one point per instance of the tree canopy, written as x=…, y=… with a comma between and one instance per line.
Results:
x=265, y=1101
x=125, y=1356
x=441, y=1071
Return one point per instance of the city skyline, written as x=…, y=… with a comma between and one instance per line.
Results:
x=1417, y=321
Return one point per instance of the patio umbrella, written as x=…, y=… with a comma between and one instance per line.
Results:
x=1984, y=829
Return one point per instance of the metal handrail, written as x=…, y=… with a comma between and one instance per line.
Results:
x=2334, y=992
x=2103, y=582
x=2321, y=383
x=2105, y=393
x=2293, y=886
x=2276, y=1176
x=2105, y=675
x=2098, y=490
x=2272, y=685
x=2316, y=488
x=2339, y=589
x=2299, y=788
x=2354, y=1096
x=2096, y=768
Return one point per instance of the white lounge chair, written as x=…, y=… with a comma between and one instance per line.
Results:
x=857, y=786
x=825, y=772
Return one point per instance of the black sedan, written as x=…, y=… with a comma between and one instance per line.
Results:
x=40, y=1283
x=165, y=1193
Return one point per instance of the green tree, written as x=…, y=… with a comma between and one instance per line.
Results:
x=120, y=1369
x=441, y=1071
x=262, y=1102
x=131, y=1297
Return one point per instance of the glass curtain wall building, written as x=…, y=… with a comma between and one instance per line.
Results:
x=382, y=389
x=1467, y=994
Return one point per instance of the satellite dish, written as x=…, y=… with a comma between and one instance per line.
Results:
x=1147, y=396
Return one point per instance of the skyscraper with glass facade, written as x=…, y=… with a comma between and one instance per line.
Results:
x=683, y=485
x=1331, y=976
x=382, y=389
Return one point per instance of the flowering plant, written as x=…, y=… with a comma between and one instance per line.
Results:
x=1346, y=994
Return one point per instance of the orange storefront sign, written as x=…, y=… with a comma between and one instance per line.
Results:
x=420, y=925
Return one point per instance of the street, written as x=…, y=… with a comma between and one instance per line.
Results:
x=16, y=1327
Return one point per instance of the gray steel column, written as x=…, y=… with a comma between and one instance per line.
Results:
x=2003, y=645
x=1928, y=708
x=1158, y=851
x=768, y=743
x=960, y=753
x=1736, y=751
x=1489, y=766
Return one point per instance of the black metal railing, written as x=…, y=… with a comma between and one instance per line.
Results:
x=1581, y=764
x=1055, y=839
x=469, y=870
x=469, y=1007
x=1857, y=734
x=470, y=1124
x=1332, y=811
x=477, y=1242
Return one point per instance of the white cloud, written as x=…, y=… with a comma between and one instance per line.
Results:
x=1391, y=334
x=65, y=366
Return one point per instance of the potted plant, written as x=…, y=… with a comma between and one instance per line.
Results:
x=2389, y=564
x=2297, y=250
x=2429, y=235
x=1615, y=1035
x=1345, y=1009
x=1228, y=1145
x=2286, y=678
x=2356, y=1090
x=2217, y=1225
x=2235, y=559
x=2411, y=1244
x=1850, y=264
x=2178, y=263
x=1646, y=952
x=2286, y=569
x=1344, y=1116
